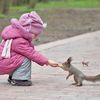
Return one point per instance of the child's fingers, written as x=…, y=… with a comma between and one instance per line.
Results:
x=60, y=65
x=55, y=65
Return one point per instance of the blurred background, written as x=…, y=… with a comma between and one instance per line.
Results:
x=65, y=18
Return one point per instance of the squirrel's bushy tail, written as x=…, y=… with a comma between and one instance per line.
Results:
x=93, y=78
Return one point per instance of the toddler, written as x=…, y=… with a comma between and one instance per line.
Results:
x=17, y=50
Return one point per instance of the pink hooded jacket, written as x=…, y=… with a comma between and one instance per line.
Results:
x=21, y=48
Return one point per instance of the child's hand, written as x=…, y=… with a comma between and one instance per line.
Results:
x=53, y=63
x=60, y=65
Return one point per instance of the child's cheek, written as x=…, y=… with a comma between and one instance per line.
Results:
x=33, y=36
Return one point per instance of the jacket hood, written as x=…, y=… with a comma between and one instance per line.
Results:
x=11, y=32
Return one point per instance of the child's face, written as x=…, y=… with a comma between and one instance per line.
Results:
x=34, y=36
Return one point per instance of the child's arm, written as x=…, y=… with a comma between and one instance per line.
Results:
x=53, y=63
x=22, y=46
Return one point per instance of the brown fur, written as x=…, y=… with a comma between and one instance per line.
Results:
x=78, y=75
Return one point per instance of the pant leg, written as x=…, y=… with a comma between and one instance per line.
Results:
x=23, y=72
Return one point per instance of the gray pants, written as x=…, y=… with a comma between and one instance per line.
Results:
x=23, y=72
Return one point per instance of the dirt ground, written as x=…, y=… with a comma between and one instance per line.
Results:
x=65, y=23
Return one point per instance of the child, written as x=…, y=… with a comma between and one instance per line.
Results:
x=17, y=51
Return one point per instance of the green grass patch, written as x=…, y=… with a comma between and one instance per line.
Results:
x=16, y=11
x=83, y=3
x=69, y=4
x=2, y=16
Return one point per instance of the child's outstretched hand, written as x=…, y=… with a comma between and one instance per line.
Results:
x=53, y=63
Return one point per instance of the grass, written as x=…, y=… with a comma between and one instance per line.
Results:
x=2, y=16
x=69, y=4
x=16, y=11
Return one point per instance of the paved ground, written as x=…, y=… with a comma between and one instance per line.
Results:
x=50, y=83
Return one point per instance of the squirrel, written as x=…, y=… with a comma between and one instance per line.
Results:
x=78, y=75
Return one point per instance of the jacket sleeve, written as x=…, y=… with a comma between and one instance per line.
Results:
x=23, y=47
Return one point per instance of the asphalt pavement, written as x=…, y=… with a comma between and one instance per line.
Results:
x=50, y=83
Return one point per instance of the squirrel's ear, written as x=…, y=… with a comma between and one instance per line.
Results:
x=69, y=59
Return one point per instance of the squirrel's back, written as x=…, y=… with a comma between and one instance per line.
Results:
x=75, y=71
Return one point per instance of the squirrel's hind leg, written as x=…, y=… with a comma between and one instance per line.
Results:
x=76, y=81
x=79, y=82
